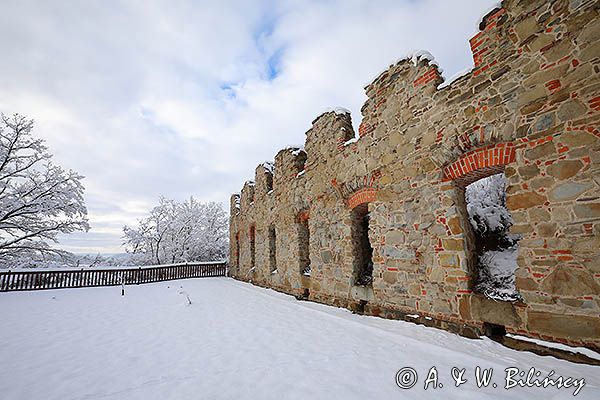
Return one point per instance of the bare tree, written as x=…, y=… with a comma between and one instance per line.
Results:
x=38, y=200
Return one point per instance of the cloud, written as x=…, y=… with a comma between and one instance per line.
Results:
x=185, y=98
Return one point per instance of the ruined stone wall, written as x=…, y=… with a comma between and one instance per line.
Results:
x=530, y=107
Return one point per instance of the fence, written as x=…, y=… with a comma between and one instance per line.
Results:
x=58, y=279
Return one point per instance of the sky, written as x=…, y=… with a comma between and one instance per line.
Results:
x=186, y=98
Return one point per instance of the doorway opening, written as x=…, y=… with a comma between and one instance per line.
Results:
x=494, y=247
x=272, y=249
x=252, y=247
x=362, y=249
x=304, y=246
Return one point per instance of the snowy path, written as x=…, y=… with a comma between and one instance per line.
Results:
x=237, y=341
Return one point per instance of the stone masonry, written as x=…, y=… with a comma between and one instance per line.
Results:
x=530, y=108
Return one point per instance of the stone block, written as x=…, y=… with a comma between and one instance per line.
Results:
x=362, y=293
x=577, y=138
x=525, y=200
x=568, y=326
x=449, y=260
x=395, y=237
x=495, y=312
x=564, y=169
x=589, y=210
x=528, y=171
x=453, y=244
x=568, y=281
x=541, y=151
x=568, y=191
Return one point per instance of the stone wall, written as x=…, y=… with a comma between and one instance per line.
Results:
x=530, y=107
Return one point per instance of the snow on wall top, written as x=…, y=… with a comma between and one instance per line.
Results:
x=268, y=166
x=483, y=19
x=294, y=149
x=336, y=110
x=414, y=57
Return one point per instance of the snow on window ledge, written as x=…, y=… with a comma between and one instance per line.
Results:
x=351, y=141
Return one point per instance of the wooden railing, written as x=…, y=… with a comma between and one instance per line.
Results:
x=66, y=278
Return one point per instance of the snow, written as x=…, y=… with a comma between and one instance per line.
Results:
x=237, y=341
x=585, y=351
x=419, y=55
x=294, y=149
x=350, y=141
x=299, y=174
x=337, y=110
x=39, y=200
x=486, y=204
x=268, y=166
x=487, y=11
x=455, y=77
x=175, y=231
x=307, y=270
x=414, y=57
x=497, y=279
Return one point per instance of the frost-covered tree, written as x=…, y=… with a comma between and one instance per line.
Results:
x=38, y=200
x=178, y=232
x=496, y=247
x=486, y=205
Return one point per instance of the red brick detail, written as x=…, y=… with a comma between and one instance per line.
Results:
x=303, y=216
x=480, y=163
x=595, y=103
x=365, y=128
x=591, y=129
x=476, y=41
x=553, y=85
x=484, y=42
x=440, y=136
x=492, y=20
x=366, y=195
x=430, y=75
x=380, y=102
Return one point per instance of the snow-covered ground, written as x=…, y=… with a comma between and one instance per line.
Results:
x=237, y=341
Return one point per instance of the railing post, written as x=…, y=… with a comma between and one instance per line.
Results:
x=5, y=281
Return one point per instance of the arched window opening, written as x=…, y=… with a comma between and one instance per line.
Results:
x=301, y=157
x=362, y=249
x=252, y=247
x=237, y=250
x=272, y=249
x=304, y=246
x=494, y=247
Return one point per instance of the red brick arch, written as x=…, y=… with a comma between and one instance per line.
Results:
x=303, y=216
x=480, y=163
x=362, y=196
